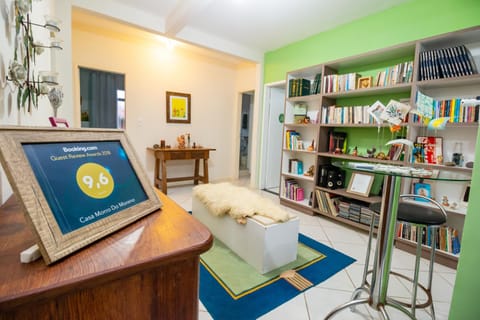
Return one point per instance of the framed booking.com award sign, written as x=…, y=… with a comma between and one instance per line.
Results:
x=76, y=185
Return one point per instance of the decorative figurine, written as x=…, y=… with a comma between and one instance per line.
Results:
x=310, y=171
x=355, y=151
x=445, y=201
x=181, y=141
x=311, y=147
x=371, y=152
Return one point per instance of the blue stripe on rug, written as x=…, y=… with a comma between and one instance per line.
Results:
x=221, y=306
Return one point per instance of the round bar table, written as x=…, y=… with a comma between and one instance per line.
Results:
x=377, y=292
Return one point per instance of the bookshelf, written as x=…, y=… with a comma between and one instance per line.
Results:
x=339, y=104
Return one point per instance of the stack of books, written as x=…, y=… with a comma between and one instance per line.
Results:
x=448, y=62
x=298, y=87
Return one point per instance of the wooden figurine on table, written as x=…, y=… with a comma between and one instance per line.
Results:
x=181, y=141
x=310, y=171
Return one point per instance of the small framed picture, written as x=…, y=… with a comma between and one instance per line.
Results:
x=364, y=82
x=178, y=107
x=360, y=183
x=422, y=189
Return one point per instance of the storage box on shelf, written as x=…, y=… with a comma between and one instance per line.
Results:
x=443, y=67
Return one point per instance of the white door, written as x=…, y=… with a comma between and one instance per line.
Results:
x=272, y=135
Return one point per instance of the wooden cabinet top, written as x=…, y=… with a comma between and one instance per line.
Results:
x=178, y=149
x=162, y=237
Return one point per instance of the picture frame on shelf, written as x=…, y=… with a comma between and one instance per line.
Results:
x=364, y=82
x=57, y=169
x=178, y=107
x=422, y=189
x=360, y=183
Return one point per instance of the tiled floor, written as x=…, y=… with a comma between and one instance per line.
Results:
x=317, y=301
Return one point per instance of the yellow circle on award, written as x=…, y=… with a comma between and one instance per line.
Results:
x=95, y=180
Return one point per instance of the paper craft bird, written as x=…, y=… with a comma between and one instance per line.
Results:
x=438, y=123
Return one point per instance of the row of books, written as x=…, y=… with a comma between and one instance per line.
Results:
x=346, y=115
x=295, y=166
x=298, y=87
x=327, y=202
x=448, y=62
x=457, y=110
x=340, y=82
x=399, y=73
x=293, y=191
x=293, y=140
x=304, y=87
x=356, y=212
x=448, y=239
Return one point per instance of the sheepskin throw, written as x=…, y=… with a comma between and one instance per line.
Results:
x=238, y=202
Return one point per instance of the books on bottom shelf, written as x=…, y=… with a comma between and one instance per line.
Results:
x=327, y=203
x=293, y=191
x=357, y=212
x=448, y=239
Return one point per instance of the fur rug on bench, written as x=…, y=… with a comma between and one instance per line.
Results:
x=238, y=202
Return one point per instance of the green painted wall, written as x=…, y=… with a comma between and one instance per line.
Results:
x=413, y=20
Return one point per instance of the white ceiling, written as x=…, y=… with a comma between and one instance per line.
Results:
x=244, y=28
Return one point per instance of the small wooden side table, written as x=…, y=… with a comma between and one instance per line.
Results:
x=162, y=155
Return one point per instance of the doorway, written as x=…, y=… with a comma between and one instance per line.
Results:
x=272, y=136
x=245, y=133
x=102, y=99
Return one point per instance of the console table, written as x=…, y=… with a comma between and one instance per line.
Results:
x=162, y=155
x=148, y=270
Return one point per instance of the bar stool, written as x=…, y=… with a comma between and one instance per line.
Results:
x=421, y=217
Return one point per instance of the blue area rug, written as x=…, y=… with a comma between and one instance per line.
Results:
x=222, y=306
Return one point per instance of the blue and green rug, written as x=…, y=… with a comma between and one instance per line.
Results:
x=232, y=289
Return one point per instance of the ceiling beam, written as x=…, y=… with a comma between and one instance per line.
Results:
x=180, y=15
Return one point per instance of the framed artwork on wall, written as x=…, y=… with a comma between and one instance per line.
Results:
x=178, y=107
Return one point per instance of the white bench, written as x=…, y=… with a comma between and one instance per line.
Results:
x=261, y=242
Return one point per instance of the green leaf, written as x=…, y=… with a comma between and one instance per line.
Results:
x=26, y=94
x=19, y=97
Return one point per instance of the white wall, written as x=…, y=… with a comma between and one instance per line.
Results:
x=150, y=70
x=10, y=114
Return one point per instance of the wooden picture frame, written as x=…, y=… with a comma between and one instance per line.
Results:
x=75, y=185
x=360, y=183
x=178, y=107
x=364, y=82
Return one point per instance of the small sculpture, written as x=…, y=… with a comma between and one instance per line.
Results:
x=181, y=141
x=311, y=147
x=445, y=201
x=310, y=171
x=371, y=152
x=355, y=151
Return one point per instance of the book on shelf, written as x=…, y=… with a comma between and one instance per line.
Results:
x=399, y=73
x=327, y=202
x=298, y=87
x=293, y=140
x=457, y=110
x=295, y=166
x=316, y=84
x=340, y=82
x=293, y=191
x=454, y=61
x=447, y=237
